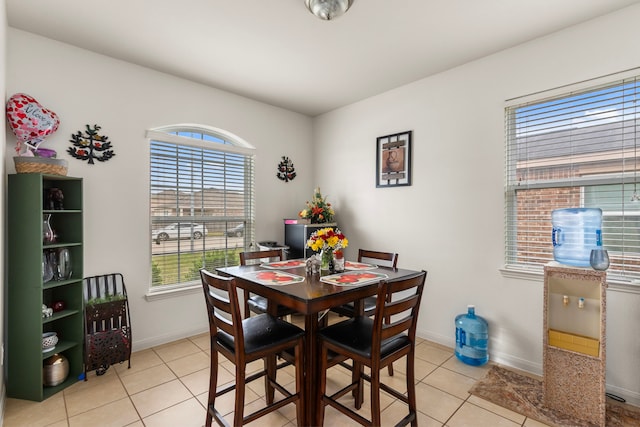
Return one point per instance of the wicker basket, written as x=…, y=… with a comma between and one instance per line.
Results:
x=40, y=165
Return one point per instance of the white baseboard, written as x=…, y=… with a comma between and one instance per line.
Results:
x=167, y=338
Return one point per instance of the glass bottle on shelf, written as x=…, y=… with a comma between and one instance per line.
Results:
x=48, y=234
x=63, y=264
x=47, y=271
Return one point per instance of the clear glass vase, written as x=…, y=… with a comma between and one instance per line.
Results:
x=326, y=258
x=48, y=234
x=47, y=270
x=63, y=265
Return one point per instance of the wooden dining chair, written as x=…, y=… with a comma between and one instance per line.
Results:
x=256, y=303
x=244, y=341
x=374, y=343
x=381, y=259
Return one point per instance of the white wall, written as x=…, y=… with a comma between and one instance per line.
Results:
x=450, y=221
x=126, y=100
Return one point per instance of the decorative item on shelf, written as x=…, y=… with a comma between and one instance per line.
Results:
x=327, y=241
x=86, y=145
x=286, y=171
x=318, y=210
x=49, y=341
x=58, y=306
x=48, y=233
x=31, y=123
x=47, y=270
x=62, y=264
x=46, y=311
x=48, y=166
x=55, y=370
x=53, y=199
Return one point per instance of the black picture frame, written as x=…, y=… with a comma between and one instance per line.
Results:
x=393, y=160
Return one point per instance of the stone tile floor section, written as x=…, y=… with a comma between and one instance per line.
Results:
x=167, y=386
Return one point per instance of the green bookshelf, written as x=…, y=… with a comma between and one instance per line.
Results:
x=26, y=290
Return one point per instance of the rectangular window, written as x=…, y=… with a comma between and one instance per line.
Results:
x=201, y=203
x=575, y=150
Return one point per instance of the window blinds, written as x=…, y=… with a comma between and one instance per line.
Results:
x=210, y=188
x=575, y=150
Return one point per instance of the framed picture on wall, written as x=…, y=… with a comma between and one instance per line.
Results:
x=393, y=160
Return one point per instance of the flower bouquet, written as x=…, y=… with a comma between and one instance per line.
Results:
x=328, y=242
x=318, y=210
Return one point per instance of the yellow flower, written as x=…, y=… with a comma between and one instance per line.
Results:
x=332, y=241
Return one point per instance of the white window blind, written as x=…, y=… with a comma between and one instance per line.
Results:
x=202, y=204
x=575, y=150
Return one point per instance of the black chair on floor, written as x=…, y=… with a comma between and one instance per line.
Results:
x=382, y=259
x=256, y=303
x=375, y=343
x=244, y=341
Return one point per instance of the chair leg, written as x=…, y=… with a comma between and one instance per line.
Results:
x=299, y=362
x=411, y=387
x=238, y=413
x=356, y=377
x=270, y=364
x=322, y=386
x=375, y=397
x=213, y=382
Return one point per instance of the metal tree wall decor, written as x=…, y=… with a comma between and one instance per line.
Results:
x=90, y=145
x=286, y=171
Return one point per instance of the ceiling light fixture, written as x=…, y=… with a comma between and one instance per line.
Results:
x=328, y=9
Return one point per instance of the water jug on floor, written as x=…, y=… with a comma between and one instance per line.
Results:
x=472, y=337
x=576, y=231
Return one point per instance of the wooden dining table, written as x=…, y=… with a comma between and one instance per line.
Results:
x=310, y=297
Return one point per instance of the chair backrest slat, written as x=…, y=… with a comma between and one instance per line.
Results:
x=271, y=254
x=395, y=328
x=404, y=309
x=221, y=297
x=389, y=259
x=399, y=306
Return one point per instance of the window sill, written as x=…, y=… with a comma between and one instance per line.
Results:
x=536, y=275
x=172, y=292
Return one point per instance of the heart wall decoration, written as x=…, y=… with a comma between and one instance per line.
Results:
x=30, y=122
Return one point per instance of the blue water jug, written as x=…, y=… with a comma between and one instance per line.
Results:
x=472, y=337
x=576, y=231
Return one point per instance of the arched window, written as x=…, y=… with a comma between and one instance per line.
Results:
x=201, y=190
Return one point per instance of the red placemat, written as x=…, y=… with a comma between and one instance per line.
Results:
x=357, y=266
x=282, y=265
x=353, y=278
x=274, y=277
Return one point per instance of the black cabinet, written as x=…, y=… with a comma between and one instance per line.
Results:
x=296, y=236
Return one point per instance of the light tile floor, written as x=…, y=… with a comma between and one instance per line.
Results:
x=167, y=386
